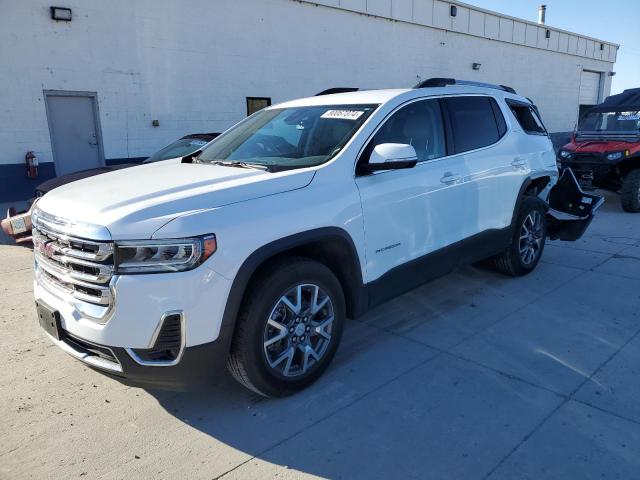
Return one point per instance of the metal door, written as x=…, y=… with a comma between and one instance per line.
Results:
x=589, y=88
x=74, y=131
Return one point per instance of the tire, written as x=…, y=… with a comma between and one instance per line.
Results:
x=281, y=345
x=531, y=218
x=630, y=192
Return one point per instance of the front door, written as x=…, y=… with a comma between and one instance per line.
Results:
x=411, y=213
x=74, y=132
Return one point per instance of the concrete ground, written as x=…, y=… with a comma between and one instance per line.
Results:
x=472, y=376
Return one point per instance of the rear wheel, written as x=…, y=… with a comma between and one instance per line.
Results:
x=630, y=193
x=527, y=243
x=289, y=329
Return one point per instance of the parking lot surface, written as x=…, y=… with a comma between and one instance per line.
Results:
x=472, y=376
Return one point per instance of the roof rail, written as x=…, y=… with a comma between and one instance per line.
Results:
x=443, y=82
x=329, y=91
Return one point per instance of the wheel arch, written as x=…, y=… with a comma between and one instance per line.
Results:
x=628, y=165
x=531, y=186
x=332, y=246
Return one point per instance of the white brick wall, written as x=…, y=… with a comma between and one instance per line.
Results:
x=190, y=64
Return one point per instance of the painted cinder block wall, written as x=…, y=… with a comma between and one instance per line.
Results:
x=191, y=64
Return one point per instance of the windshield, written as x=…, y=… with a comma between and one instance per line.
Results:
x=289, y=137
x=179, y=148
x=610, y=122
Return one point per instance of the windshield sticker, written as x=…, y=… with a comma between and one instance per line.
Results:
x=343, y=114
x=197, y=143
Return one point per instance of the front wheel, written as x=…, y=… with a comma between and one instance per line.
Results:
x=289, y=328
x=630, y=193
x=527, y=243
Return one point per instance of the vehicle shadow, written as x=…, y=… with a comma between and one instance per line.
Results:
x=375, y=351
x=243, y=421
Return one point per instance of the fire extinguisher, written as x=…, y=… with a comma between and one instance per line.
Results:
x=32, y=164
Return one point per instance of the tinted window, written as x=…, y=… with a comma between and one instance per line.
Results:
x=473, y=122
x=418, y=124
x=527, y=118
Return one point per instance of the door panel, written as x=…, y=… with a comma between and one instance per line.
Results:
x=496, y=174
x=74, y=134
x=410, y=213
x=495, y=169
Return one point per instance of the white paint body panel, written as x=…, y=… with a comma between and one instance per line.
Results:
x=247, y=209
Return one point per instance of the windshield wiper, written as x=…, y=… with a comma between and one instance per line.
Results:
x=238, y=164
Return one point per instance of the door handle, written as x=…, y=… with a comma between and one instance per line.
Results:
x=449, y=178
x=519, y=162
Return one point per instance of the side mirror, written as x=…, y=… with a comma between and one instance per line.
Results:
x=391, y=156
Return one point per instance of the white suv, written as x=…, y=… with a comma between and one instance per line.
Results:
x=251, y=253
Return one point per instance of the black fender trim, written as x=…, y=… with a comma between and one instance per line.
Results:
x=523, y=188
x=355, y=292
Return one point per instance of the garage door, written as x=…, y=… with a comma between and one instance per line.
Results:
x=589, y=88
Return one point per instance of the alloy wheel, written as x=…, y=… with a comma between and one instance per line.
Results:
x=298, y=330
x=531, y=235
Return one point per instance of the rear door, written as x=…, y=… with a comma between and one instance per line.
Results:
x=413, y=212
x=495, y=171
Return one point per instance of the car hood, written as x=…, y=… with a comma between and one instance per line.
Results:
x=56, y=182
x=135, y=202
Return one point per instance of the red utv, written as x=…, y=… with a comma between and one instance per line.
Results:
x=605, y=149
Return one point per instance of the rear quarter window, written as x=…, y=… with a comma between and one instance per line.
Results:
x=476, y=122
x=527, y=117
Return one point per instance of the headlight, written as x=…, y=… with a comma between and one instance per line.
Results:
x=615, y=155
x=565, y=153
x=157, y=256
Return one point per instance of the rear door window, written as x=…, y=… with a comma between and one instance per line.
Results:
x=475, y=121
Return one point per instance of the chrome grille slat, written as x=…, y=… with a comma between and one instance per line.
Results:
x=54, y=283
x=66, y=264
x=75, y=267
x=64, y=244
x=65, y=279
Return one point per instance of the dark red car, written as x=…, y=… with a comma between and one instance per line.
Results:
x=605, y=149
x=18, y=224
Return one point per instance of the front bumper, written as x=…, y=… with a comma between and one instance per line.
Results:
x=592, y=170
x=199, y=365
x=132, y=324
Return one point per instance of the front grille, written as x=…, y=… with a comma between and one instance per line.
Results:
x=73, y=266
x=586, y=158
x=87, y=348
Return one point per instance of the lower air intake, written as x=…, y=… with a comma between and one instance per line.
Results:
x=168, y=345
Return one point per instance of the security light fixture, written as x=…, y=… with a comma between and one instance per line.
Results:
x=453, y=11
x=61, y=14
x=612, y=74
x=548, y=34
x=476, y=66
x=602, y=46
